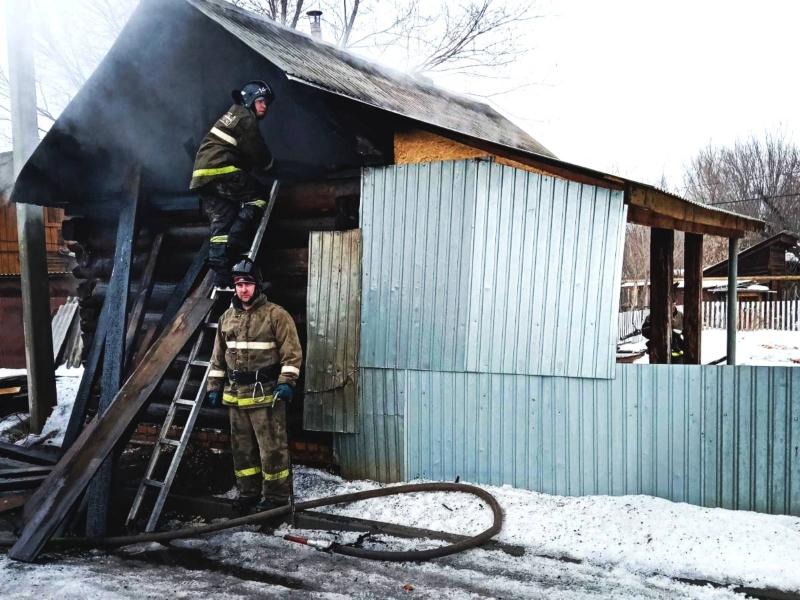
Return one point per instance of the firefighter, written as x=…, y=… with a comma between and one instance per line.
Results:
x=677, y=342
x=254, y=368
x=231, y=156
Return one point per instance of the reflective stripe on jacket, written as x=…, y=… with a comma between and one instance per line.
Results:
x=248, y=340
x=234, y=143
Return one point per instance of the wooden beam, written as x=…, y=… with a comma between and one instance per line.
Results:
x=692, y=297
x=62, y=488
x=30, y=218
x=661, y=268
x=145, y=289
x=667, y=205
x=114, y=357
x=648, y=218
x=36, y=455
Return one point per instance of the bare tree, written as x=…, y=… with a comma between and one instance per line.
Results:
x=759, y=177
x=71, y=40
x=476, y=37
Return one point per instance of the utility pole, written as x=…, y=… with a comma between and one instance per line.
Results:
x=30, y=222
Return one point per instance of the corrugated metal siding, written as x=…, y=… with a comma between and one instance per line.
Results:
x=474, y=266
x=378, y=451
x=334, y=318
x=711, y=436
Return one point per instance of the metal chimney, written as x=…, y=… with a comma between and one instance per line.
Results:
x=316, y=23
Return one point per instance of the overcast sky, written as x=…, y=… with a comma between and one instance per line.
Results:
x=637, y=87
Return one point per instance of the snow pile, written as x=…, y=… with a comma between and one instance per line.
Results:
x=765, y=347
x=641, y=534
x=67, y=382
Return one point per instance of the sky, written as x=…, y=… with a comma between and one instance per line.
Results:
x=637, y=88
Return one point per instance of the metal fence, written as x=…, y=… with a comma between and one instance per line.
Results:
x=782, y=315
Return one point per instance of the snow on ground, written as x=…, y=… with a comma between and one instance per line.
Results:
x=762, y=347
x=632, y=547
x=67, y=382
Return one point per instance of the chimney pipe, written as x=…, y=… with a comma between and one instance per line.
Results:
x=316, y=23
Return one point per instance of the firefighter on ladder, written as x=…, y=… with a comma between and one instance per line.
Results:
x=230, y=157
x=254, y=367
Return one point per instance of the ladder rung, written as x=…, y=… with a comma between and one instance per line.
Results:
x=212, y=325
x=153, y=483
x=200, y=363
x=169, y=442
x=185, y=402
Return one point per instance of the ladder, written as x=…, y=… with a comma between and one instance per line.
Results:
x=193, y=404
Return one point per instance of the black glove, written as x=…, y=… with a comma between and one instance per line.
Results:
x=283, y=391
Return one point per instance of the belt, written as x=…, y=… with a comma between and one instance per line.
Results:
x=262, y=375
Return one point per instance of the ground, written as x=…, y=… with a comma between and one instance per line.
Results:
x=765, y=347
x=631, y=547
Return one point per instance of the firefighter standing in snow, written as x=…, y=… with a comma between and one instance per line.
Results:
x=254, y=367
x=231, y=153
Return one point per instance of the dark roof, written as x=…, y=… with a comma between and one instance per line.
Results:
x=784, y=240
x=322, y=65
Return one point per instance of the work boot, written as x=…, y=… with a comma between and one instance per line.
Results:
x=245, y=504
x=270, y=503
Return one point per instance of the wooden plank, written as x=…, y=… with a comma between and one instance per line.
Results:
x=692, y=297
x=21, y=483
x=145, y=289
x=667, y=205
x=8, y=503
x=81, y=404
x=114, y=356
x=36, y=455
x=661, y=269
x=648, y=218
x=59, y=492
x=24, y=472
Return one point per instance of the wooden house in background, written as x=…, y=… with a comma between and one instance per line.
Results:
x=59, y=266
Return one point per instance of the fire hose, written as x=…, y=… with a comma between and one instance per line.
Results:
x=269, y=515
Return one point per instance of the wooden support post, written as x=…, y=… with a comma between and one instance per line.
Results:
x=30, y=219
x=693, y=297
x=50, y=504
x=114, y=359
x=733, y=309
x=181, y=291
x=662, y=243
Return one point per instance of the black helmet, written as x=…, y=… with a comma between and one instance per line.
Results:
x=252, y=90
x=246, y=270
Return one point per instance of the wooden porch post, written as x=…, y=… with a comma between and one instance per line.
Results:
x=34, y=281
x=693, y=297
x=662, y=243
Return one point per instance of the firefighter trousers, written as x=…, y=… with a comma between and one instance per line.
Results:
x=233, y=205
x=261, y=451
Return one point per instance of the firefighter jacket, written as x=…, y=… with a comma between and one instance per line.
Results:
x=233, y=144
x=260, y=343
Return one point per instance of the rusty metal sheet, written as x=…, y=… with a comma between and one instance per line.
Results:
x=334, y=316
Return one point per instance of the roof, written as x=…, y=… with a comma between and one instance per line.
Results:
x=784, y=240
x=319, y=64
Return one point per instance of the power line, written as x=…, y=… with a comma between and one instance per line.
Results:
x=758, y=199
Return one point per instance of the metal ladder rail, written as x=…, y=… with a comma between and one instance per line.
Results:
x=193, y=404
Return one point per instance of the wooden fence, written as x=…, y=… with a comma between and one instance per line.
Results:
x=783, y=315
